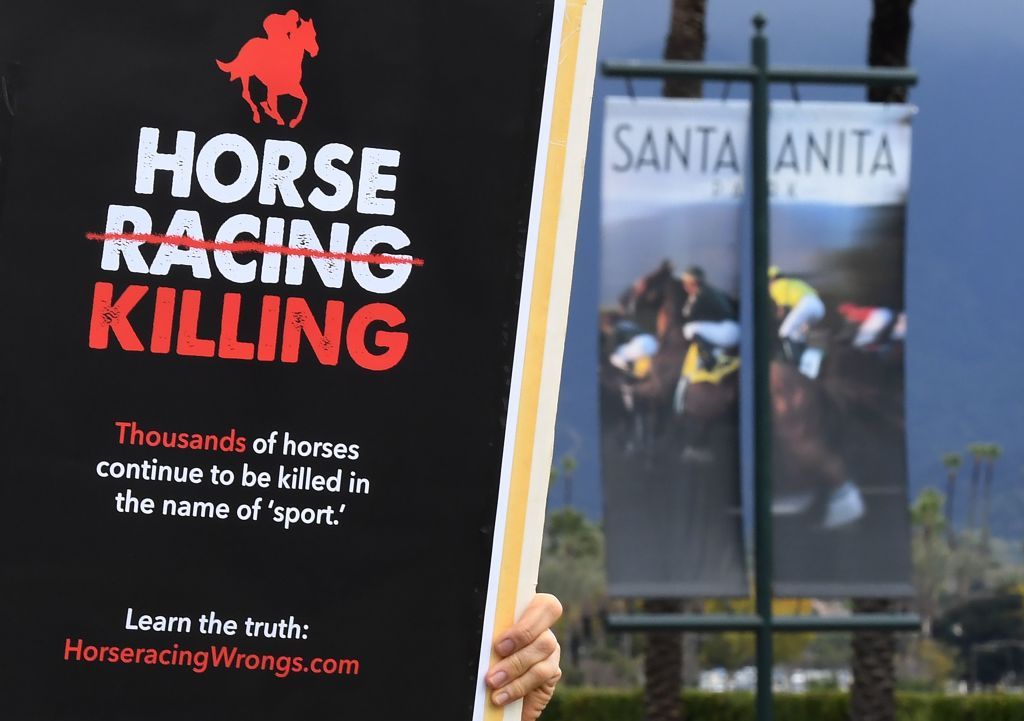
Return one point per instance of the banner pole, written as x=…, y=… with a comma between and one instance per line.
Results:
x=759, y=109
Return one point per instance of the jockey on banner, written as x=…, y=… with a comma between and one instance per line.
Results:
x=874, y=325
x=798, y=307
x=709, y=318
x=709, y=322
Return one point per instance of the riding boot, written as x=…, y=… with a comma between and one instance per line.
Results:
x=793, y=350
x=845, y=506
x=707, y=354
x=679, y=396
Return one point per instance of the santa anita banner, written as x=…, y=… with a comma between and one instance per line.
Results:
x=287, y=293
x=673, y=218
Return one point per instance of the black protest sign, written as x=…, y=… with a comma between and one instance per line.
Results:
x=265, y=270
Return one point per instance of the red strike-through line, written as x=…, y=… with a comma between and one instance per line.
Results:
x=254, y=247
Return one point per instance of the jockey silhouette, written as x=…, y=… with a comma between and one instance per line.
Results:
x=279, y=26
x=276, y=61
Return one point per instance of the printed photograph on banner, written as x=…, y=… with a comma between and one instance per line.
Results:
x=669, y=347
x=839, y=181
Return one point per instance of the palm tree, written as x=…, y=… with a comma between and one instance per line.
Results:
x=686, y=41
x=930, y=553
x=663, y=661
x=992, y=453
x=952, y=462
x=889, y=45
x=568, y=466
x=977, y=451
x=872, y=696
x=663, y=667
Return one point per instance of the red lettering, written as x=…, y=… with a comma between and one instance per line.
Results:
x=163, y=320
x=299, y=321
x=109, y=316
x=123, y=426
x=75, y=650
x=269, y=319
x=394, y=343
x=374, y=338
x=189, y=342
x=230, y=346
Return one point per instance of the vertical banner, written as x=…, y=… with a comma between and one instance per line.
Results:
x=671, y=218
x=286, y=290
x=840, y=176
x=672, y=209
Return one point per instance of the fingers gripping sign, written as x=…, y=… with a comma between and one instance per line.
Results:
x=529, y=652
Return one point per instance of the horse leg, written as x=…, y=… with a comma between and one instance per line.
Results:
x=301, y=95
x=247, y=97
x=272, y=107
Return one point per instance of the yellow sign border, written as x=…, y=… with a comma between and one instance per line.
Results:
x=548, y=312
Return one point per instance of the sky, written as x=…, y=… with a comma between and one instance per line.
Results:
x=966, y=344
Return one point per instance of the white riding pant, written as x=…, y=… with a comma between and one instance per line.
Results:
x=641, y=346
x=722, y=333
x=872, y=327
x=806, y=312
x=899, y=331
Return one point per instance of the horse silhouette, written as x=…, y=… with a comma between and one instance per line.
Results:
x=276, y=61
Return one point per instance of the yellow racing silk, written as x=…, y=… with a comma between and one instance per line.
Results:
x=787, y=292
x=692, y=372
x=641, y=367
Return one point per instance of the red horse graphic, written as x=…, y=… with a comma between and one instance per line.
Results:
x=276, y=61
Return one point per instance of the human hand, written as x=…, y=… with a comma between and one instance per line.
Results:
x=529, y=654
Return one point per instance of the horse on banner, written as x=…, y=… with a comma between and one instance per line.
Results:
x=648, y=394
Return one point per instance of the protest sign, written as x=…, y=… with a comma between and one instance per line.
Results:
x=287, y=292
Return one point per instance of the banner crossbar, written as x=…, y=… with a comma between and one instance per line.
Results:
x=661, y=69
x=707, y=623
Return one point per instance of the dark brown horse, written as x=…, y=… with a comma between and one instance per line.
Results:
x=845, y=425
x=648, y=406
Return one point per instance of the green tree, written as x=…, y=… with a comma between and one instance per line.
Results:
x=970, y=568
x=952, y=463
x=926, y=665
x=572, y=564
x=734, y=650
x=977, y=452
x=988, y=632
x=567, y=468
x=572, y=568
x=992, y=453
x=931, y=554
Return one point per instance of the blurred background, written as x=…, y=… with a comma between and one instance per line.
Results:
x=964, y=406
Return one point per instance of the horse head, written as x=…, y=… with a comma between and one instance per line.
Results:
x=661, y=294
x=306, y=35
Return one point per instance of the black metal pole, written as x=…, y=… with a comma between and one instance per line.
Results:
x=759, y=178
